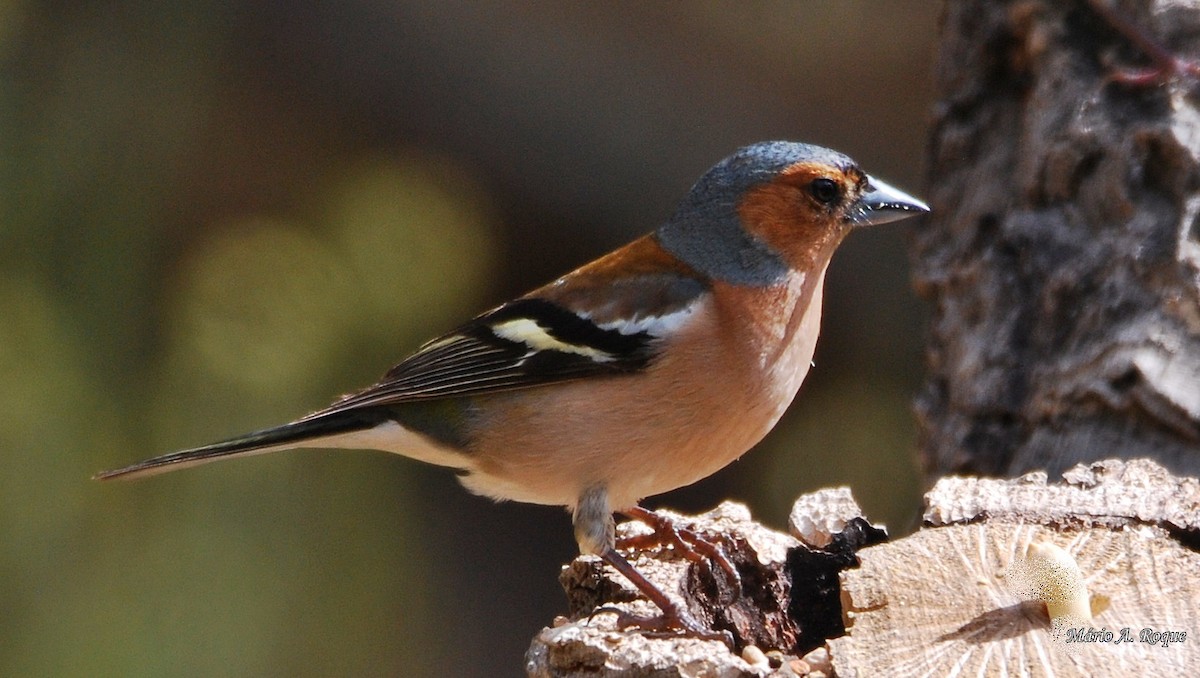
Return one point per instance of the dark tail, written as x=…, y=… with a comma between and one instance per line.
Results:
x=292, y=435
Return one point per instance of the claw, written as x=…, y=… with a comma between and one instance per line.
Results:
x=674, y=621
x=688, y=543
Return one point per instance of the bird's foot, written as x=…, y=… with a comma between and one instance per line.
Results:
x=673, y=622
x=687, y=542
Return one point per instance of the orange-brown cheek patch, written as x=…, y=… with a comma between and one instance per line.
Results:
x=780, y=215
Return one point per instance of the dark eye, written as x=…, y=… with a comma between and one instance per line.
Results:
x=826, y=191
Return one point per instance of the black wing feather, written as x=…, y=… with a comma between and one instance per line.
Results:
x=474, y=359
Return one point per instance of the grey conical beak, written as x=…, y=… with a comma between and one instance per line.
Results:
x=881, y=203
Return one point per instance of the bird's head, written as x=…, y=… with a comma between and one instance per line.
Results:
x=775, y=206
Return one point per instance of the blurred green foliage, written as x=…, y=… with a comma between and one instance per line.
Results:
x=216, y=216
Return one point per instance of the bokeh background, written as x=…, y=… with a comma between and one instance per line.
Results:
x=217, y=215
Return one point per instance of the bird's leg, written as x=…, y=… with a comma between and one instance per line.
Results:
x=673, y=618
x=688, y=543
x=1166, y=64
x=594, y=530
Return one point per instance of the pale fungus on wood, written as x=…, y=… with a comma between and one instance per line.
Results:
x=964, y=596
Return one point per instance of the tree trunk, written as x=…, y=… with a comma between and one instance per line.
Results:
x=1062, y=258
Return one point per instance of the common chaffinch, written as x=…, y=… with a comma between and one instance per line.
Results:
x=643, y=371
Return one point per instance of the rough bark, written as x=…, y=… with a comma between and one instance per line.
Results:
x=791, y=600
x=958, y=597
x=1062, y=259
